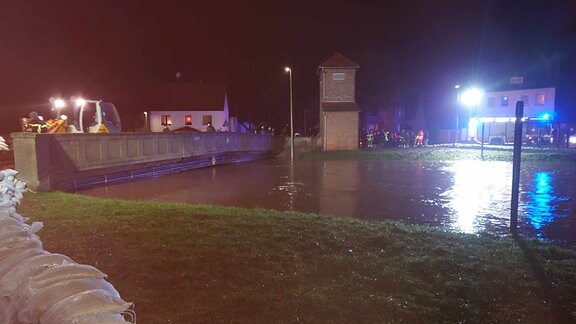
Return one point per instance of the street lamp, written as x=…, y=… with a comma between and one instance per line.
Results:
x=146, y=121
x=289, y=70
x=471, y=98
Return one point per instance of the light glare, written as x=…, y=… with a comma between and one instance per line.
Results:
x=80, y=102
x=472, y=97
x=59, y=103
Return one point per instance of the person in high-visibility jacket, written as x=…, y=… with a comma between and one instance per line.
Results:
x=420, y=138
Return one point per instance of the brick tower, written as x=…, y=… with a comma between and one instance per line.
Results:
x=339, y=112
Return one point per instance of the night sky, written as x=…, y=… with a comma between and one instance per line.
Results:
x=411, y=52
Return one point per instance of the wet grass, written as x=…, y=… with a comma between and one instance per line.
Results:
x=208, y=264
x=445, y=154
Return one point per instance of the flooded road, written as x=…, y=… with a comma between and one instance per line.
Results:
x=465, y=196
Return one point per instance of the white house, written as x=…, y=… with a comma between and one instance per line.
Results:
x=184, y=106
x=497, y=111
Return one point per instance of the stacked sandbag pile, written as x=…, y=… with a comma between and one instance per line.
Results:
x=37, y=286
x=3, y=145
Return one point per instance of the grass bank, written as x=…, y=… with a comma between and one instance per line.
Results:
x=183, y=264
x=445, y=154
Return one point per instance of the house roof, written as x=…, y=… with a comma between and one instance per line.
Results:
x=185, y=129
x=339, y=60
x=340, y=106
x=186, y=96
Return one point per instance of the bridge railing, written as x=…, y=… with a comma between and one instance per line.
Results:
x=43, y=160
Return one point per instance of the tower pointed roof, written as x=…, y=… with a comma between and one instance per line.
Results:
x=338, y=60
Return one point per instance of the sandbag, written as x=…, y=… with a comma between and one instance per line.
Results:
x=14, y=237
x=47, y=297
x=87, y=302
x=19, y=247
x=7, y=221
x=10, y=262
x=64, y=272
x=28, y=268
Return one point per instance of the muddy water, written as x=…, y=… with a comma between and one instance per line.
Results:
x=465, y=196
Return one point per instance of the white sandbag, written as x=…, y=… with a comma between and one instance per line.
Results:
x=19, y=247
x=47, y=297
x=15, y=229
x=10, y=262
x=8, y=221
x=28, y=268
x=100, y=318
x=18, y=217
x=12, y=238
x=64, y=272
x=36, y=226
x=14, y=214
x=9, y=173
x=87, y=302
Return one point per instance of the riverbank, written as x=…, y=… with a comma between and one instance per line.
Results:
x=182, y=263
x=443, y=153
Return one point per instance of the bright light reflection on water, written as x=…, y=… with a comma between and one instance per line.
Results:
x=466, y=196
x=479, y=190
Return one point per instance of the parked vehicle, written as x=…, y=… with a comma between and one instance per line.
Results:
x=76, y=116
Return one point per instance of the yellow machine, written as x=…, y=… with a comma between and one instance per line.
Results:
x=85, y=116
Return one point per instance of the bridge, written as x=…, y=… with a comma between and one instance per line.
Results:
x=67, y=162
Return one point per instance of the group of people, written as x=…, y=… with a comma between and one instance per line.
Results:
x=404, y=138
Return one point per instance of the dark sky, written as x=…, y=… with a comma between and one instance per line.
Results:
x=413, y=51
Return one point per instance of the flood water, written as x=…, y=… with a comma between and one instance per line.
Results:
x=464, y=196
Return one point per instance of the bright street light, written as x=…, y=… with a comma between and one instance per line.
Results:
x=59, y=103
x=289, y=70
x=80, y=102
x=472, y=97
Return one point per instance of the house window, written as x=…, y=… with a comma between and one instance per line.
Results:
x=540, y=99
x=188, y=120
x=504, y=101
x=166, y=120
x=526, y=100
x=207, y=119
x=490, y=102
x=338, y=76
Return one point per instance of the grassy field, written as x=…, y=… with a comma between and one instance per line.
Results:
x=206, y=264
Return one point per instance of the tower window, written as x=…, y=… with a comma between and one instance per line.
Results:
x=338, y=76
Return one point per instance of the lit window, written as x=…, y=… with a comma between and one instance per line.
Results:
x=504, y=102
x=540, y=99
x=166, y=120
x=188, y=120
x=526, y=100
x=490, y=102
x=338, y=76
x=206, y=119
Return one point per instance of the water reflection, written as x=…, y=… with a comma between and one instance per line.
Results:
x=340, y=180
x=542, y=207
x=480, y=193
x=466, y=196
x=539, y=211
